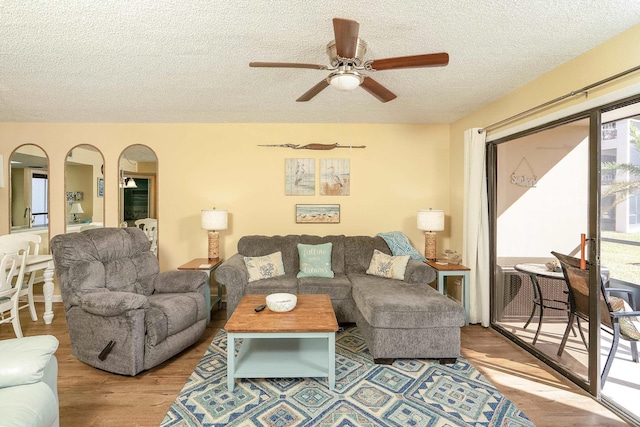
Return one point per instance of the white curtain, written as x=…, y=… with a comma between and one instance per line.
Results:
x=475, y=243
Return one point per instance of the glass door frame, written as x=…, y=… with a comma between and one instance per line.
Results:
x=592, y=383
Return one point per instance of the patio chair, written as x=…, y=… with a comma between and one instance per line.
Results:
x=616, y=316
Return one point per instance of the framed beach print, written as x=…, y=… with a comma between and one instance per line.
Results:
x=317, y=214
x=335, y=178
x=300, y=177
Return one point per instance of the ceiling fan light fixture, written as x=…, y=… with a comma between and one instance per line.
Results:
x=346, y=81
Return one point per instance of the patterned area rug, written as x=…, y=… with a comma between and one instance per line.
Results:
x=408, y=393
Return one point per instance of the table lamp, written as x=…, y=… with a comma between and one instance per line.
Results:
x=430, y=221
x=213, y=220
x=76, y=209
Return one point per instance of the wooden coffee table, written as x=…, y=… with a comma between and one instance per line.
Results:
x=295, y=344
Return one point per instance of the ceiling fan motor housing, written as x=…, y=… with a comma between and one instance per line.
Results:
x=336, y=61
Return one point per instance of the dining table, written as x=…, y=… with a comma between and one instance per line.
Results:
x=36, y=263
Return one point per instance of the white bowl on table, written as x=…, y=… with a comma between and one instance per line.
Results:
x=281, y=302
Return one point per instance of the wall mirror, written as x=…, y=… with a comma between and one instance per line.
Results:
x=138, y=190
x=29, y=192
x=84, y=188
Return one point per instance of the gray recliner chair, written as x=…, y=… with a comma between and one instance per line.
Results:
x=124, y=316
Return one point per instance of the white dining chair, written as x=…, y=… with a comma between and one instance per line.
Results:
x=13, y=257
x=26, y=290
x=150, y=228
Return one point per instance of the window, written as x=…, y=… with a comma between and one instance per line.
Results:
x=39, y=199
x=609, y=131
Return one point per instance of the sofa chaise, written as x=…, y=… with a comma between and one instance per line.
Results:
x=398, y=317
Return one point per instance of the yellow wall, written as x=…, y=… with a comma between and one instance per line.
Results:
x=402, y=169
x=612, y=57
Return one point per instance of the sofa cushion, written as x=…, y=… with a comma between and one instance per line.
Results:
x=358, y=251
x=287, y=283
x=180, y=311
x=629, y=326
x=389, y=303
x=315, y=260
x=391, y=267
x=264, y=267
x=337, y=288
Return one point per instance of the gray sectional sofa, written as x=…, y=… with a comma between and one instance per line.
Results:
x=397, y=318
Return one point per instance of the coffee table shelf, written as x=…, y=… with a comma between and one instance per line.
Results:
x=280, y=356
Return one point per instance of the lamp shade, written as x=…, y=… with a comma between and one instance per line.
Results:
x=213, y=219
x=430, y=220
x=76, y=208
x=345, y=81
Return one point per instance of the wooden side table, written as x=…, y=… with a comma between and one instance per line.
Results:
x=445, y=270
x=208, y=265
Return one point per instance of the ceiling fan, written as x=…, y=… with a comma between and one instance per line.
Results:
x=349, y=70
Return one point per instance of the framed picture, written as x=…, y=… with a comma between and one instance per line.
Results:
x=317, y=214
x=100, y=187
x=300, y=177
x=335, y=178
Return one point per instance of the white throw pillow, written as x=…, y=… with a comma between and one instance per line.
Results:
x=264, y=267
x=391, y=267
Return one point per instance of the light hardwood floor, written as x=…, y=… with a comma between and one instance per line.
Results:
x=90, y=397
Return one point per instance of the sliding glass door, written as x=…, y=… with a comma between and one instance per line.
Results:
x=571, y=187
x=541, y=191
x=620, y=244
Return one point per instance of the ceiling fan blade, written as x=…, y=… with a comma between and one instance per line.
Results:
x=313, y=91
x=346, y=33
x=376, y=89
x=416, y=61
x=287, y=65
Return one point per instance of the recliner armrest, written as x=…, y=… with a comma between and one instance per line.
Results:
x=23, y=360
x=109, y=304
x=180, y=281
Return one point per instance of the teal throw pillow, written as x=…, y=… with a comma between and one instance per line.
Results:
x=315, y=260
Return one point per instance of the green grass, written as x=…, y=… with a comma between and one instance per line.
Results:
x=622, y=260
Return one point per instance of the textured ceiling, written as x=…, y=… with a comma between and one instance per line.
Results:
x=187, y=60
